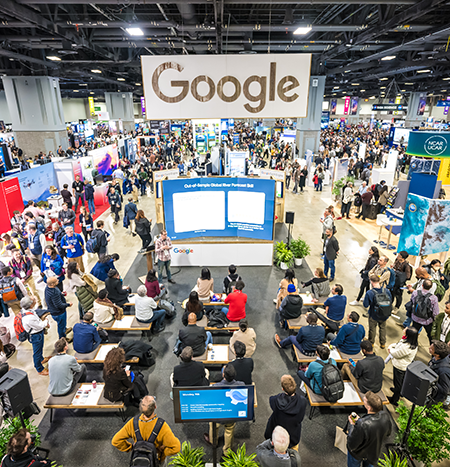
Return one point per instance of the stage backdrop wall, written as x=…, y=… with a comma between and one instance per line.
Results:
x=35, y=183
x=425, y=229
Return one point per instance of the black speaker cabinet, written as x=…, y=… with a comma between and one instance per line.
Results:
x=418, y=379
x=289, y=217
x=15, y=391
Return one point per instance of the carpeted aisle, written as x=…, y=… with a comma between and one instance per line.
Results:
x=84, y=438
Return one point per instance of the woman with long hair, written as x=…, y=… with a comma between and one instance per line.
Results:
x=320, y=285
x=84, y=291
x=205, y=285
x=143, y=229
x=193, y=305
x=104, y=265
x=402, y=353
x=289, y=278
x=52, y=265
x=245, y=335
x=86, y=222
x=155, y=290
x=118, y=385
x=372, y=260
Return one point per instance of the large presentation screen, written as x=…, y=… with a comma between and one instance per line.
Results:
x=106, y=158
x=214, y=403
x=219, y=207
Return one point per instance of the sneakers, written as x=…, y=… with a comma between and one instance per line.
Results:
x=277, y=340
x=68, y=330
x=210, y=347
x=355, y=303
x=44, y=372
x=275, y=301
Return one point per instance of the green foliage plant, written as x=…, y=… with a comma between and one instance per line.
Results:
x=188, y=456
x=339, y=184
x=283, y=254
x=11, y=427
x=299, y=248
x=392, y=460
x=239, y=458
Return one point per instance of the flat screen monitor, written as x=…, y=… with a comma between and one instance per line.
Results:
x=279, y=188
x=220, y=404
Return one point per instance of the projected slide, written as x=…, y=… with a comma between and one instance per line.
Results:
x=219, y=207
x=107, y=159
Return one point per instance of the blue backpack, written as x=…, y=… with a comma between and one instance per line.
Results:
x=92, y=245
x=391, y=283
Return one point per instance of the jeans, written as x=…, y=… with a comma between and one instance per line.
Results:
x=61, y=321
x=78, y=197
x=291, y=340
x=161, y=266
x=146, y=240
x=301, y=374
x=329, y=264
x=225, y=310
x=143, y=187
x=208, y=339
x=157, y=318
x=91, y=205
x=345, y=211
x=37, y=341
x=288, y=181
x=319, y=185
x=352, y=462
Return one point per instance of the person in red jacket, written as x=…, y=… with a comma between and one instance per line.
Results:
x=236, y=301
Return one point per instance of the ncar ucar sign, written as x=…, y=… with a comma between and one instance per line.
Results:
x=221, y=86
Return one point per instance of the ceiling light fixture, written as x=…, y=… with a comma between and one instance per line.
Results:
x=138, y=84
x=363, y=90
x=355, y=84
x=445, y=79
x=82, y=84
x=303, y=30
x=403, y=90
x=372, y=97
x=53, y=58
x=389, y=57
x=76, y=90
x=120, y=79
x=336, y=87
x=92, y=92
x=443, y=90
x=347, y=71
x=384, y=79
x=135, y=31
x=410, y=84
x=96, y=71
x=423, y=71
x=382, y=87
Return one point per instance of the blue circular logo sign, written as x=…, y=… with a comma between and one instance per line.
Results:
x=412, y=207
x=435, y=145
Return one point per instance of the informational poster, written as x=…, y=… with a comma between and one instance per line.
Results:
x=428, y=143
x=354, y=106
x=87, y=165
x=230, y=207
x=106, y=159
x=35, y=183
x=346, y=105
x=333, y=106
x=422, y=104
x=237, y=163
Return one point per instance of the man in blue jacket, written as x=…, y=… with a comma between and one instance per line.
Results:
x=57, y=306
x=350, y=335
x=130, y=212
x=89, y=195
x=307, y=339
x=85, y=335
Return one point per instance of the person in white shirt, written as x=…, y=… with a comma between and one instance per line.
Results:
x=363, y=188
x=146, y=310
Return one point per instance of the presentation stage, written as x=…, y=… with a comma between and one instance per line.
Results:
x=219, y=207
x=205, y=404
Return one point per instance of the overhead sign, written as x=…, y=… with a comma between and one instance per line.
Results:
x=91, y=105
x=389, y=107
x=221, y=86
x=424, y=143
x=445, y=103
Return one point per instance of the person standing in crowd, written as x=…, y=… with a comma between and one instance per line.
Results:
x=102, y=239
x=440, y=364
x=66, y=196
x=118, y=177
x=89, y=195
x=78, y=192
x=163, y=245
x=143, y=228
x=130, y=212
x=330, y=253
x=366, y=198
x=57, y=306
x=73, y=243
x=36, y=244
x=86, y=223
x=12, y=291
x=381, y=271
x=372, y=260
x=35, y=327
x=66, y=216
x=375, y=318
x=115, y=201
x=275, y=452
x=367, y=434
x=425, y=308
x=347, y=198
x=440, y=331
x=327, y=223
x=52, y=265
x=23, y=270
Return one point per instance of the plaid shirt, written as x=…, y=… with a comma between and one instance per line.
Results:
x=23, y=266
x=163, y=255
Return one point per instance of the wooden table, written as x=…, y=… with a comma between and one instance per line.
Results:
x=205, y=357
x=336, y=354
x=98, y=355
x=128, y=323
x=203, y=323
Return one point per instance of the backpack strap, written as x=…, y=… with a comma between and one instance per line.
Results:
x=293, y=459
x=156, y=429
x=137, y=432
x=354, y=330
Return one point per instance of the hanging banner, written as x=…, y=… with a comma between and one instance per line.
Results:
x=91, y=106
x=143, y=105
x=346, y=105
x=354, y=107
x=333, y=106
x=422, y=104
x=221, y=86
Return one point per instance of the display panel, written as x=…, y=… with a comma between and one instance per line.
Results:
x=219, y=207
x=214, y=404
x=107, y=159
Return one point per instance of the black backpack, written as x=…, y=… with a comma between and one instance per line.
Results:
x=422, y=307
x=382, y=304
x=231, y=285
x=332, y=382
x=144, y=453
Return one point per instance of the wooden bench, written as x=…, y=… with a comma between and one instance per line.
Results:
x=98, y=355
x=67, y=402
x=231, y=327
x=222, y=304
x=380, y=394
x=297, y=323
x=220, y=349
x=351, y=397
x=127, y=323
x=338, y=356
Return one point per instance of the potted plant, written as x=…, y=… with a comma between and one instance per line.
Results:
x=300, y=249
x=12, y=426
x=283, y=256
x=188, y=456
x=338, y=185
x=393, y=460
x=239, y=458
x=429, y=439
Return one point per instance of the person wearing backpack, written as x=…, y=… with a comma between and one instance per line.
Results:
x=142, y=430
x=230, y=281
x=348, y=339
x=275, y=452
x=12, y=290
x=101, y=240
x=425, y=308
x=34, y=327
x=36, y=244
x=313, y=375
x=379, y=301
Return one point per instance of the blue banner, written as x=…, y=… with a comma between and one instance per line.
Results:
x=35, y=183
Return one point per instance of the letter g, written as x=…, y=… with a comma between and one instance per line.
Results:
x=155, y=83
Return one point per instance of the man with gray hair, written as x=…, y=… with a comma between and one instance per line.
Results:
x=146, y=310
x=35, y=327
x=275, y=452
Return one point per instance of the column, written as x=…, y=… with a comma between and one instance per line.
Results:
x=119, y=105
x=37, y=116
x=308, y=128
x=412, y=119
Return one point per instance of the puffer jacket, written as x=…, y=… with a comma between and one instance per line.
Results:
x=86, y=296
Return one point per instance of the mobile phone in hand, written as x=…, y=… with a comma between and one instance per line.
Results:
x=127, y=368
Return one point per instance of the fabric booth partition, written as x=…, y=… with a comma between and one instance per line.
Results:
x=10, y=201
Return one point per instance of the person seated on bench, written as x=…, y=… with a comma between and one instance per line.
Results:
x=146, y=310
x=349, y=337
x=118, y=385
x=189, y=372
x=20, y=453
x=155, y=290
x=242, y=365
x=236, y=301
x=289, y=278
x=229, y=283
x=246, y=335
x=367, y=374
x=320, y=285
x=205, y=285
x=291, y=306
x=64, y=371
x=117, y=293
x=334, y=309
x=307, y=339
x=313, y=376
x=86, y=337
x=288, y=410
x=275, y=452
x=193, y=305
x=104, y=309
x=194, y=336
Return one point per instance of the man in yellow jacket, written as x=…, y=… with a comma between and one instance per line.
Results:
x=166, y=443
